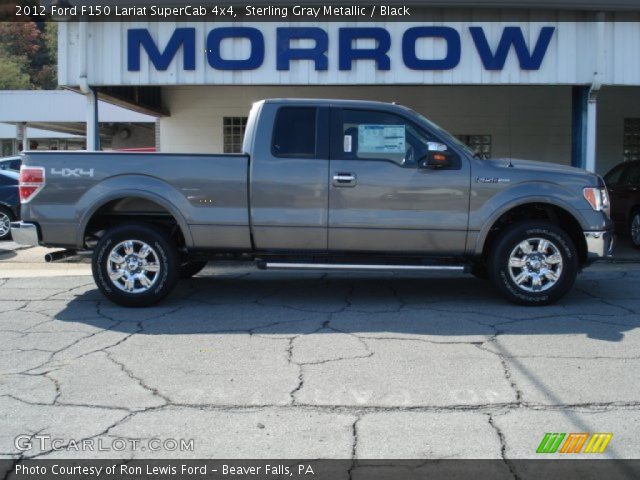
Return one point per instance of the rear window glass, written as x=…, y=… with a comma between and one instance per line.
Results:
x=614, y=177
x=632, y=175
x=294, y=133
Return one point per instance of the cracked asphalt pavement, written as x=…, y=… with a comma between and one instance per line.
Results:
x=253, y=364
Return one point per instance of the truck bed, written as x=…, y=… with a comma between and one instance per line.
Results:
x=206, y=193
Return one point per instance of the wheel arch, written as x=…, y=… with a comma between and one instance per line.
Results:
x=127, y=204
x=556, y=213
x=7, y=206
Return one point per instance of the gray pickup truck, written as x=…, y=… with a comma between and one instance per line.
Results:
x=322, y=184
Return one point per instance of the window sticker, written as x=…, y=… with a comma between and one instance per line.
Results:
x=347, y=144
x=381, y=139
x=436, y=147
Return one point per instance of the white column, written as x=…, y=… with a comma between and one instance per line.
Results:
x=592, y=118
x=91, y=121
x=592, y=103
x=22, y=135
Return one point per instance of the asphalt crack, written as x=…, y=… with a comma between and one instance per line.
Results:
x=503, y=447
x=154, y=391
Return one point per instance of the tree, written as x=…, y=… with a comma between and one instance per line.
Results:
x=20, y=38
x=44, y=61
x=28, y=51
x=12, y=75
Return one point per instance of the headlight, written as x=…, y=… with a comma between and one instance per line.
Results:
x=598, y=198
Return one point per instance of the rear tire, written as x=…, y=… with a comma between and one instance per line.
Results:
x=189, y=269
x=534, y=263
x=6, y=217
x=135, y=265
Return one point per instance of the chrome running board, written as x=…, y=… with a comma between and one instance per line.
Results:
x=354, y=266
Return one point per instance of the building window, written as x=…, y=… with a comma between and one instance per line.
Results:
x=479, y=143
x=233, y=132
x=631, y=139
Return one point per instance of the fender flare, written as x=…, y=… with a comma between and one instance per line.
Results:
x=486, y=227
x=128, y=193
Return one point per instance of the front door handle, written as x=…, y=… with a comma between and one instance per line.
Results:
x=344, y=179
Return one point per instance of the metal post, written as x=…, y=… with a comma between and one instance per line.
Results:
x=96, y=121
x=592, y=100
x=92, y=129
x=22, y=136
x=579, y=102
x=592, y=118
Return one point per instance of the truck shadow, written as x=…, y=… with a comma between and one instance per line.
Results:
x=599, y=306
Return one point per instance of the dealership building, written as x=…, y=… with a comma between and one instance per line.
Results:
x=559, y=85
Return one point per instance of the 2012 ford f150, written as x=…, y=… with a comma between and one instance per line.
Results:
x=325, y=184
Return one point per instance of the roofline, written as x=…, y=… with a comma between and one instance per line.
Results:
x=325, y=101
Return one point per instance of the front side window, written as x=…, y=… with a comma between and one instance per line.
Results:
x=373, y=135
x=294, y=133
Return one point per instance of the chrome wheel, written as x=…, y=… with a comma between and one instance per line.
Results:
x=5, y=224
x=535, y=265
x=635, y=229
x=133, y=266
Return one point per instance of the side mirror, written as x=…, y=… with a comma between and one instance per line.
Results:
x=436, y=159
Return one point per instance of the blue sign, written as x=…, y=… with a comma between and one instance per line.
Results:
x=184, y=40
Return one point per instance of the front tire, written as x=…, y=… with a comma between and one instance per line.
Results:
x=534, y=263
x=135, y=265
x=634, y=229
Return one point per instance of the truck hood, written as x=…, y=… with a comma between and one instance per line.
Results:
x=533, y=165
x=519, y=170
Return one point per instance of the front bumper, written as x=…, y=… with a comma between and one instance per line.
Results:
x=599, y=244
x=25, y=233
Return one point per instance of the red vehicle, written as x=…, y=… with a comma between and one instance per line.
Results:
x=623, y=182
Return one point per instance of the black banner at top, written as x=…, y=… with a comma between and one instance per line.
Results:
x=337, y=11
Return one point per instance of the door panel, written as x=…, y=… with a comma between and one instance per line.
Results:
x=289, y=192
x=394, y=206
x=398, y=209
x=289, y=203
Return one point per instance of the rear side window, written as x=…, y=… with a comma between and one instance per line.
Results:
x=294, y=132
x=615, y=176
x=632, y=175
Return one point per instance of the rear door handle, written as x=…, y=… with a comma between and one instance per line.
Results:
x=344, y=179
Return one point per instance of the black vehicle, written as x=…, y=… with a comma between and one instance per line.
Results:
x=10, y=163
x=9, y=201
x=623, y=182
